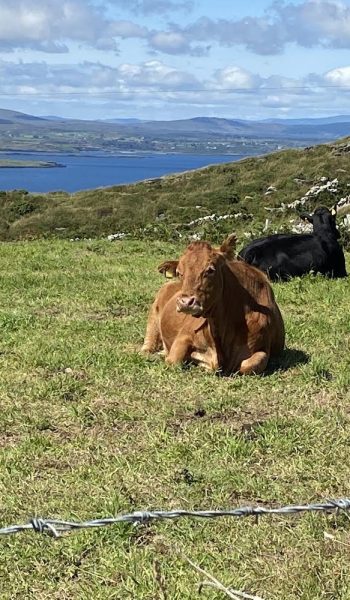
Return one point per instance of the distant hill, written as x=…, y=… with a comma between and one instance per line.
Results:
x=55, y=118
x=311, y=121
x=205, y=120
x=12, y=116
x=22, y=132
x=122, y=121
x=210, y=126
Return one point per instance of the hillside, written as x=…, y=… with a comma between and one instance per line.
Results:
x=241, y=195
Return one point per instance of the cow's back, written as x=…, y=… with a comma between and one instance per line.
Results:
x=282, y=256
x=269, y=245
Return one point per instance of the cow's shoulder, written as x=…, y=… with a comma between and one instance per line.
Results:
x=254, y=281
x=246, y=272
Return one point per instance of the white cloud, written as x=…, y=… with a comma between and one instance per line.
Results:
x=174, y=42
x=258, y=34
x=47, y=25
x=316, y=22
x=155, y=74
x=169, y=41
x=91, y=78
x=310, y=23
x=277, y=101
x=235, y=78
x=338, y=77
x=127, y=29
x=52, y=25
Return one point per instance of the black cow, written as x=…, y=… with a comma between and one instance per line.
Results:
x=286, y=255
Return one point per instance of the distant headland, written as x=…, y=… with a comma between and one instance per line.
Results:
x=28, y=164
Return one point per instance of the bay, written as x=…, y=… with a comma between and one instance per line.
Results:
x=92, y=170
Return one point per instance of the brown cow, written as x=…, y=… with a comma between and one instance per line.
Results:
x=220, y=313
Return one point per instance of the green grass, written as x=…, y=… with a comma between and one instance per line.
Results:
x=89, y=427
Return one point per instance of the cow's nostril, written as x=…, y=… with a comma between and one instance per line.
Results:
x=191, y=301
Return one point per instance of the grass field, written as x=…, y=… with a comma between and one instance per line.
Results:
x=89, y=428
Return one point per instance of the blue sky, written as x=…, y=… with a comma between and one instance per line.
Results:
x=165, y=59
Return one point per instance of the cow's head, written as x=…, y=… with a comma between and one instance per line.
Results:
x=323, y=220
x=200, y=271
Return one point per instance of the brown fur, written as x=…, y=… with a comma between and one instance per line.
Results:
x=239, y=325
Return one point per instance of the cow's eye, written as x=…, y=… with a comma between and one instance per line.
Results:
x=210, y=271
x=178, y=274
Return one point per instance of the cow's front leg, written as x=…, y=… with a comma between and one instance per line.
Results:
x=255, y=364
x=180, y=350
x=153, y=340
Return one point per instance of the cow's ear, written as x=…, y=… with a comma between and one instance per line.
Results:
x=168, y=268
x=306, y=217
x=228, y=246
x=334, y=210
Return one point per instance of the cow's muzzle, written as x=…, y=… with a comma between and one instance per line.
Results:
x=189, y=305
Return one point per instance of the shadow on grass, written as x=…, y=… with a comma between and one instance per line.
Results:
x=288, y=359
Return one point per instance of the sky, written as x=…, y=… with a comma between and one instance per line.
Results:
x=175, y=59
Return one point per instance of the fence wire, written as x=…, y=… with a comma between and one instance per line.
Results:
x=55, y=527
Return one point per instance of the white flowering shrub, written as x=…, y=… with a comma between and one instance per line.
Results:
x=323, y=191
x=116, y=236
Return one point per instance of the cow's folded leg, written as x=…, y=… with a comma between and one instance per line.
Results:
x=207, y=360
x=255, y=364
x=180, y=350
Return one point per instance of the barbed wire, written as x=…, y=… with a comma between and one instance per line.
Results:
x=55, y=527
